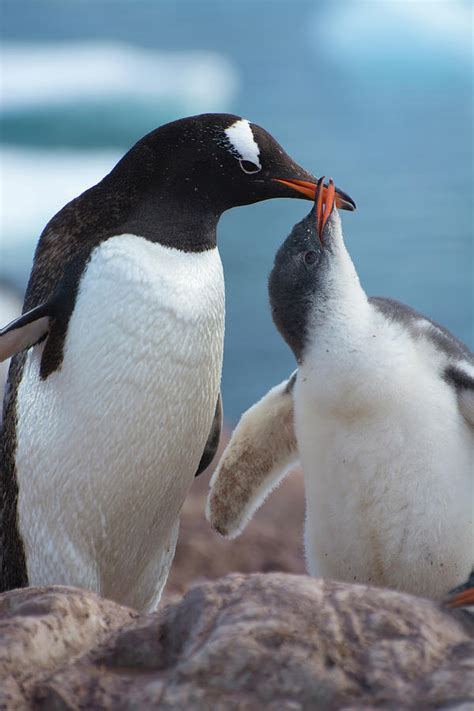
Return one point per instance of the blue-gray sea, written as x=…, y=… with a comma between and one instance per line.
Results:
x=376, y=94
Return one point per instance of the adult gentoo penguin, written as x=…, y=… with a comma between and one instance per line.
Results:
x=107, y=415
x=380, y=413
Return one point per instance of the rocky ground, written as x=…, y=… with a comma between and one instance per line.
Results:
x=264, y=641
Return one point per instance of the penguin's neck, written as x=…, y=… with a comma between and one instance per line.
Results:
x=340, y=310
x=162, y=218
x=347, y=348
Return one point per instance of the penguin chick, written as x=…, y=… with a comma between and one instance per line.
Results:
x=383, y=413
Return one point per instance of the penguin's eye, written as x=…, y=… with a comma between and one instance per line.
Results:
x=249, y=167
x=310, y=257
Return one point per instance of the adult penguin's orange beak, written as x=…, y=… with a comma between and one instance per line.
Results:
x=308, y=189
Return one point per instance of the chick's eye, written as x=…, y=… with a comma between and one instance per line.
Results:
x=249, y=167
x=310, y=257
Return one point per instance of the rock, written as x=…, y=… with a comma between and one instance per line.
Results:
x=42, y=628
x=274, y=641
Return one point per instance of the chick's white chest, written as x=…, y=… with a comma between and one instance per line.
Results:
x=388, y=463
x=108, y=445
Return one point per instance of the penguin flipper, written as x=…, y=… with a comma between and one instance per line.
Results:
x=25, y=331
x=213, y=440
x=261, y=450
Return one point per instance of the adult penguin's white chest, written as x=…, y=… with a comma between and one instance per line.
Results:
x=107, y=446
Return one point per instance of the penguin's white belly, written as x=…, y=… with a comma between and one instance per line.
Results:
x=389, y=488
x=108, y=445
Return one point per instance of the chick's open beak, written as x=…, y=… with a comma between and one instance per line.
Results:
x=324, y=205
x=308, y=189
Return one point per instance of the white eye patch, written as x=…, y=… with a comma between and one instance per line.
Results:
x=242, y=142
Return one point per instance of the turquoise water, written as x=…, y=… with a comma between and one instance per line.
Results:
x=378, y=95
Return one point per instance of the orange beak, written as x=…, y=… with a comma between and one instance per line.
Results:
x=327, y=197
x=343, y=201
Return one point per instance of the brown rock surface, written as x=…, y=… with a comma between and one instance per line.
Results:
x=270, y=641
x=43, y=628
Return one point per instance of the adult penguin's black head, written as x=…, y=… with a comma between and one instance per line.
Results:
x=216, y=161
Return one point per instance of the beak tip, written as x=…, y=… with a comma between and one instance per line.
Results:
x=346, y=203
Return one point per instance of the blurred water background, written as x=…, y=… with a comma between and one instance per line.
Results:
x=377, y=94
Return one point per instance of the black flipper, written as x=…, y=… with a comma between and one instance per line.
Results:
x=25, y=331
x=213, y=440
x=49, y=320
